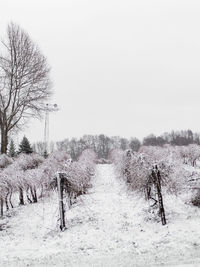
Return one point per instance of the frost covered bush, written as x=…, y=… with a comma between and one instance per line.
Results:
x=77, y=175
x=5, y=182
x=128, y=166
x=5, y=161
x=178, y=168
x=31, y=174
x=16, y=178
x=28, y=174
x=169, y=161
x=26, y=166
x=58, y=161
x=88, y=158
x=116, y=156
x=136, y=167
x=151, y=171
x=196, y=199
x=190, y=154
x=28, y=161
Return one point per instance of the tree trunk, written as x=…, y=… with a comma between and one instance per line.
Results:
x=27, y=195
x=21, y=197
x=4, y=140
x=35, y=194
x=41, y=192
x=6, y=200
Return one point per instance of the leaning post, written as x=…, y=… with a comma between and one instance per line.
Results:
x=160, y=198
x=60, y=198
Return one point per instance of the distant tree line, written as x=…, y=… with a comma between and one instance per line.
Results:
x=102, y=144
x=175, y=138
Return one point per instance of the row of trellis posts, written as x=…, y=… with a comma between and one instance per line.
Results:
x=154, y=179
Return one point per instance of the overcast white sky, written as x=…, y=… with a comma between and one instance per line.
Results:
x=126, y=68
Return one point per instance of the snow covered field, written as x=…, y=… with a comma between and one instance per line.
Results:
x=107, y=227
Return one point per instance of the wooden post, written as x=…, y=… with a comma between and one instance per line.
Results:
x=1, y=200
x=160, y=199
x=60, y=198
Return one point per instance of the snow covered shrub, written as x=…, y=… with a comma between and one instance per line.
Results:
x=173, y=172
x=196, y=199
x=77, y=181
x=5, y=161
x=26, y=164
x=58, y=161
x=28, y=161
x=136, y=167
x=116, y=156
x=130, y=166
x=28, y=174
x=158, y=171
x=76, y=176
x=192, y=186
x=16, y=178
x=157, y=154
x=190, y=154
x=4, y=183
x=15, y=174
x=140, y=173
x=87, y=161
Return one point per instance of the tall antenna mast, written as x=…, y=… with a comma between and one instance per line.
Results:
x=48, y=108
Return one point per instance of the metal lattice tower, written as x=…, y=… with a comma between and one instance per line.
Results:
x=48, y=108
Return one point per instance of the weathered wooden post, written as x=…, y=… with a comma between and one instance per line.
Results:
x=60, y=198
x=1, y=200
x=160, y=199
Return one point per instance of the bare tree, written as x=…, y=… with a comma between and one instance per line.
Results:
x=24, y=81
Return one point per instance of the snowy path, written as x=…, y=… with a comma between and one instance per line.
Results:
x=107, y=227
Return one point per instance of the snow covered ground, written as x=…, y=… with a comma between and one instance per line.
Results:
x=107, y=227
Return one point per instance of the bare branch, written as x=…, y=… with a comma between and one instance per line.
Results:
x=24, y=80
